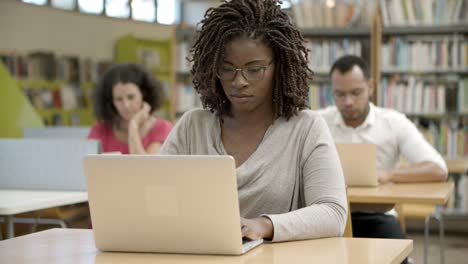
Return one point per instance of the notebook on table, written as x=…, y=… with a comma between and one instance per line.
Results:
x=165, y=204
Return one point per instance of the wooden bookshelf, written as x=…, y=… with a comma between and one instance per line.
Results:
x=456, y=28
x=435, y=92
x=349, y=32
x=58, y=91
x=434, y=71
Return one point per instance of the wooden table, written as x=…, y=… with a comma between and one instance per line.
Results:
x=21, y=201
x=459, y=165
x=77, y=246
x=456, y=168
x=424, y=193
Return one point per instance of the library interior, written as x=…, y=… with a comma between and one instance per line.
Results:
x=379, y=86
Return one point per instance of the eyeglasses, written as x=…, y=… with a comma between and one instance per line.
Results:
x=250, y=73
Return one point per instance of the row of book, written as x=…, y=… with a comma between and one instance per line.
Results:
x=449, y=135
x=44, y=65
x=423, y=12
x=61, y=119
x=323, y=53
x=411, y=95
x=320, y=95
x=66, y=96
x=434, y=53
x=309, y=14
x=187, y=98
x=182, y=51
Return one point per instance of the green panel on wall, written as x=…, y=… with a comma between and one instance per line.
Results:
x=155, y=55
x=16, y=112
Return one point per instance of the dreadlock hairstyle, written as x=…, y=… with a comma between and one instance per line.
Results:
x=259, y=20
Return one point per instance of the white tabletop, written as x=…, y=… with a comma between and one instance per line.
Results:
x=21, y=201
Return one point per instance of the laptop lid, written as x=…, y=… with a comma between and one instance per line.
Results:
x=167, y=204
x=359, y=162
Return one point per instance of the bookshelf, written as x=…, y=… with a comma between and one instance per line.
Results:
x=331, y=32
x=158, y=57
x=16, y=110
x=187, y=96
x=58, y=87
x=325, y=46
x=424, y=72
x=443, y=118
x=423, y=65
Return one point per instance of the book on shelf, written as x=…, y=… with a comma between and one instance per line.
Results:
x=449, y=136
x=462, y=96
x=187, y=98
x=412, y=94
x=59, y=87
x=320, y=95
x=317, y=14
x=422, y=54
x=183, y=51
x=324, y=52
x=45, y=66
x=423, y=12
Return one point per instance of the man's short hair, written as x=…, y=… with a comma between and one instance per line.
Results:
x=347, y=62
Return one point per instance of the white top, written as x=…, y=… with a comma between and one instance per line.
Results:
x=294, y=176
x=391, y=131
x=21, y=201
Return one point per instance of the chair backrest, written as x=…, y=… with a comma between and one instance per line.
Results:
x=44, y=164
x=348, y=232
x=56, y=132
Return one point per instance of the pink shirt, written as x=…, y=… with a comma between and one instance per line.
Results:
x=109, y=141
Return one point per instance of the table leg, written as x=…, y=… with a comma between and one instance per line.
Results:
x=456, y=180
x=10, y=228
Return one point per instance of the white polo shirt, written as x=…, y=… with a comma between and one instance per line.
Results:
x=391, y=131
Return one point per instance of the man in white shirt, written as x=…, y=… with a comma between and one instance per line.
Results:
x=355, y=119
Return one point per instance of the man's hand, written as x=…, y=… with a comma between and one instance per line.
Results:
x=384, y=176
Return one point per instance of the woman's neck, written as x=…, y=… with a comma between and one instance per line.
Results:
x=254, y=119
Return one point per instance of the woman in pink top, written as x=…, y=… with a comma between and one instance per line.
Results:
x=123, y=103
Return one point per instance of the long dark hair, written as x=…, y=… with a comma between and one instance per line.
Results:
x=150, y=88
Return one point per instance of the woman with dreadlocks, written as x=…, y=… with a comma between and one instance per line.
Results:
x=250, y=70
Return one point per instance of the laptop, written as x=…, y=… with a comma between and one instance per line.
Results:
x=359, y=162
x=165, y=204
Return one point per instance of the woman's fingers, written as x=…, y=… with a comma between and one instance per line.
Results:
x=248, y=228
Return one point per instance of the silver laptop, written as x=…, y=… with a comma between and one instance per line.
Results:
x=166, y=204
x=359, y=162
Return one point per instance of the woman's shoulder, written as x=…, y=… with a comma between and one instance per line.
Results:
x=198, y=115
x=100, y=126
x=309, y=117
x=304, y=122
x=99, y=130
x=162, y=124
